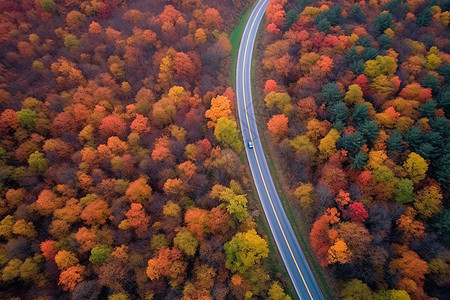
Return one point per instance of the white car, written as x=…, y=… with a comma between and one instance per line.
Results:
x=250, y=145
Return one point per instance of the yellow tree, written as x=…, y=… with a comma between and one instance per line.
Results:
x=416, y=167
x=339, y=252
x=220, y=108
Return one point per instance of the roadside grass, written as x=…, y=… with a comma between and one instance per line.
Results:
x=235, y=41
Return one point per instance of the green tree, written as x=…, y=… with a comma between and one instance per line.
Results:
x=339, y=114
x=276, y=292
x=226, y=131
x=359, y=160
x=302, y=144
x=331, y=93
x=424, y=17
x=280, y=100
x=383, y=22
x=29, y=270
x=370, y=130
x=37, y=162
x=27, y=118
x=3, y=156
x=356, y=289
x=291, y=18
x=49, y=6
x=324, y=25
x=99, y=254
x=431, y=81
x=357, y=14
x=381, y=65
x=236, y=205
x=186, y=242
x=392, y=295
x=245, y=250
x=360, y=113
x=427, y=109
x=442, y=226
x=71, y=41
x=404, y=191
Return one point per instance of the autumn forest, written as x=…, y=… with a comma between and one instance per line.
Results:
x=122, y=167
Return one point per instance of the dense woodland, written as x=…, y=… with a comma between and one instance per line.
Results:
x=120, y=168
x=357, y=97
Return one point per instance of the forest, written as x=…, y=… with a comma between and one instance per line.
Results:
x=121, y=174
x=355, y=98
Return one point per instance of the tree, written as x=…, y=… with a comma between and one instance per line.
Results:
x=357, y=212
x=279, y=100
x=304, y=192
x=138, y=219
x=410, y=266
x=99, y=254
x=164, y=111
x=411, y=228
x=278, y=125
x=112, y=125
x=356, y=289
x=428, y=201
x=416, y=167
x=220, y=108
x=357, y=239
x=139, y=191
x=404, y=191
x=27, y=118
x=331, y=93
x=47, y=202
x=140, y=124
x=48, y=249
x=186, y=242
x=96, y=212
x=383, y=22
x=320, y=240
x=24, y=228
x=226, y=131
x=38, y=163
x=338, y=252
x=49, y=6
x=302, y=144
x=11, y=270
x=212, y=19
x=65, y=259
x=276, y=292
x=69, y=278
x=236, y=205
x=198, y=222
x=168, y=264
x=354, y=95
x=424, y=17
x=245, y=250
x=381, y=65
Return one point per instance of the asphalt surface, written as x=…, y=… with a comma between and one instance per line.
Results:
x=293, y=257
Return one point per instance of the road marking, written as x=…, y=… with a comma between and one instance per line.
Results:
x=257, y=161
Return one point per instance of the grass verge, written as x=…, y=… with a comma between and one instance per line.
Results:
x=235, y=41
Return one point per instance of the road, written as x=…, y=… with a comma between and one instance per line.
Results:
x=291, y=253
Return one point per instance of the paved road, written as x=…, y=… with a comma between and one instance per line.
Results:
x=293, y=257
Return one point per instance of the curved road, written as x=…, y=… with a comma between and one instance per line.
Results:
x=296, y=264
